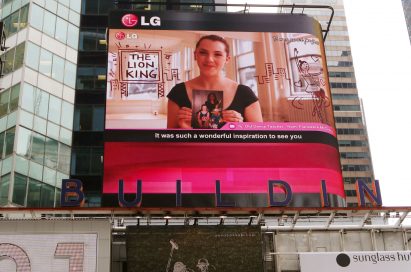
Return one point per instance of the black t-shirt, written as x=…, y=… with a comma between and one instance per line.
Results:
x=243, y=98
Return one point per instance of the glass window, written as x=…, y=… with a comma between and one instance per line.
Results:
x=4, y=102
x=7, y=26
x=85, y=77
x=247, y=77
x=35, y=171
x=37, y=144
x=47, y=196
x=61, y=30
x=65, y=2
x=80, y=161
x=52, y=6
x=33, y=194
x=2, y=136
x=45, y=62
x=74, y=18
x=19, y=56
x=11, y=119
x=90, y=6
x=75, y=5
x=41, y=103
x=244, y=46
x=105, y=6
x=57, y=72
x=4, y=189
x=64, y=159
x=23, y=142
x=58, y=196
x=72, y=36
x=36, y=17
x=21, y=165
x=63, y=11
x=24, y=14
x=33, y=54
x=67, y=115
x=98, y=118
x=51, y=155
x=27, y=100
x=101, y=35
x=83, y=117
x=53, y=130
x=14, y=97
x=65, y=135
x=88, y=39
x=100, y=84
x=96, y=165
x=19, y=189
x=54, y=109
x=49, y=23
x=49, y=176
x=14, y=23
x=87, y=160
x=9, y=144
x=70, y=75
x=246, y=60
x=8, y=59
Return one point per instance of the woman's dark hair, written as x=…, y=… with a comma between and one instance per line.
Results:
x=215, y=97
x=215, y=38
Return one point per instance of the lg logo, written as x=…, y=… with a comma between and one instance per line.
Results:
x=121, y=36
x=131, y=20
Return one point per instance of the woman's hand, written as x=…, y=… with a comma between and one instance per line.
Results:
x=178, y=117
x=232, y=116
x=184, y=116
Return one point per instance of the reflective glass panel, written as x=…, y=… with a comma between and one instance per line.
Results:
x=19, y=189
x=47, y=196
x=61, y=30
x=49, y=23
x=54, y=109
x=58, y=68
x=36, y=17
x=33, y=194
x=4, y=189
x=51, y=154
x=23, y=142
x=45, y=62
x=37, y=152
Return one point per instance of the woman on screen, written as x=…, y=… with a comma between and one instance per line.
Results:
x=239, y=102
x=212, y=102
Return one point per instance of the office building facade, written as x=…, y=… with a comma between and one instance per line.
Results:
x=38, y=80
x=353, y=143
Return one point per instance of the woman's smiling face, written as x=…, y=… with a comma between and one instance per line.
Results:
x=211, y=56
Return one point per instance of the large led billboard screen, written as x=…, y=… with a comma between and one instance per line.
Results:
x=217, y=109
